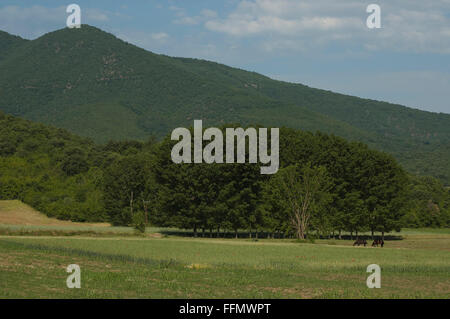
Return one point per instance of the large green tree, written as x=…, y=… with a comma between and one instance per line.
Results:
x=305, y=189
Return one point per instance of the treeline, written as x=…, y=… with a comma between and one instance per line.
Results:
x=350, y=188
x=50, y=169
x=428, y=203
x=355, y=189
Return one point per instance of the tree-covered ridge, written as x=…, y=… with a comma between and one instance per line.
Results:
x=9, y=43
x=52, y=170
x=95, y=85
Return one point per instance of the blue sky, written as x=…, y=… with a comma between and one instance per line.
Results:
x=320, y=43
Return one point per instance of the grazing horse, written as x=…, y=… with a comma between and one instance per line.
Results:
x=377, y=242
x=360, y=242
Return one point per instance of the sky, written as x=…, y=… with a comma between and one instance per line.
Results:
x=321, y=43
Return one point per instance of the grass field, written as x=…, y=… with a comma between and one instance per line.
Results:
x=414, y=265
x=32, y=267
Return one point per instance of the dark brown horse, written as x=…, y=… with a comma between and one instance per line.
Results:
x=360, y=242
x=377, y=242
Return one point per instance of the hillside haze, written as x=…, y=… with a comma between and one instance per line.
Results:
x=98, y=86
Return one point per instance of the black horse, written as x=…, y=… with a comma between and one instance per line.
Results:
x=377, y=242
x=360, y=242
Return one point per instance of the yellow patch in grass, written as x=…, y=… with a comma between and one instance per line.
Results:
x=14, y=212
x=198, y=266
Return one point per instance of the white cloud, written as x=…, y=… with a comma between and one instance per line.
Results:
x=264, y=24
x=209, y=13
x=418, y=26
x=160, y=36
x=285, y=17
x=418, y=31
x=187, y=20
x=183, y=18
x=175, y=8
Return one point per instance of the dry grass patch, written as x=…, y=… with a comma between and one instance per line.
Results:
x=14, y=212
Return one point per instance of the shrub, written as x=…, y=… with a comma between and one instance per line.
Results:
x=139, y=222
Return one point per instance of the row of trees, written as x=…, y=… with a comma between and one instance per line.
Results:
x=324, y=184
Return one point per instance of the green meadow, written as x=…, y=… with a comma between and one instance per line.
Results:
x=414, y=264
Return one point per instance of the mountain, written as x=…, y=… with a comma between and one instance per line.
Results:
x=96, y=85
x=9, y=43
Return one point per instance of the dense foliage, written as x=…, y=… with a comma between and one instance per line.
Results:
x=69, y=177
x=366, y=189
x=95, y=85
x=429, y=203
x=50, y=169
x=54, y=171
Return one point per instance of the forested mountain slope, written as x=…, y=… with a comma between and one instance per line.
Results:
x=95, y=85
x=8, y=43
